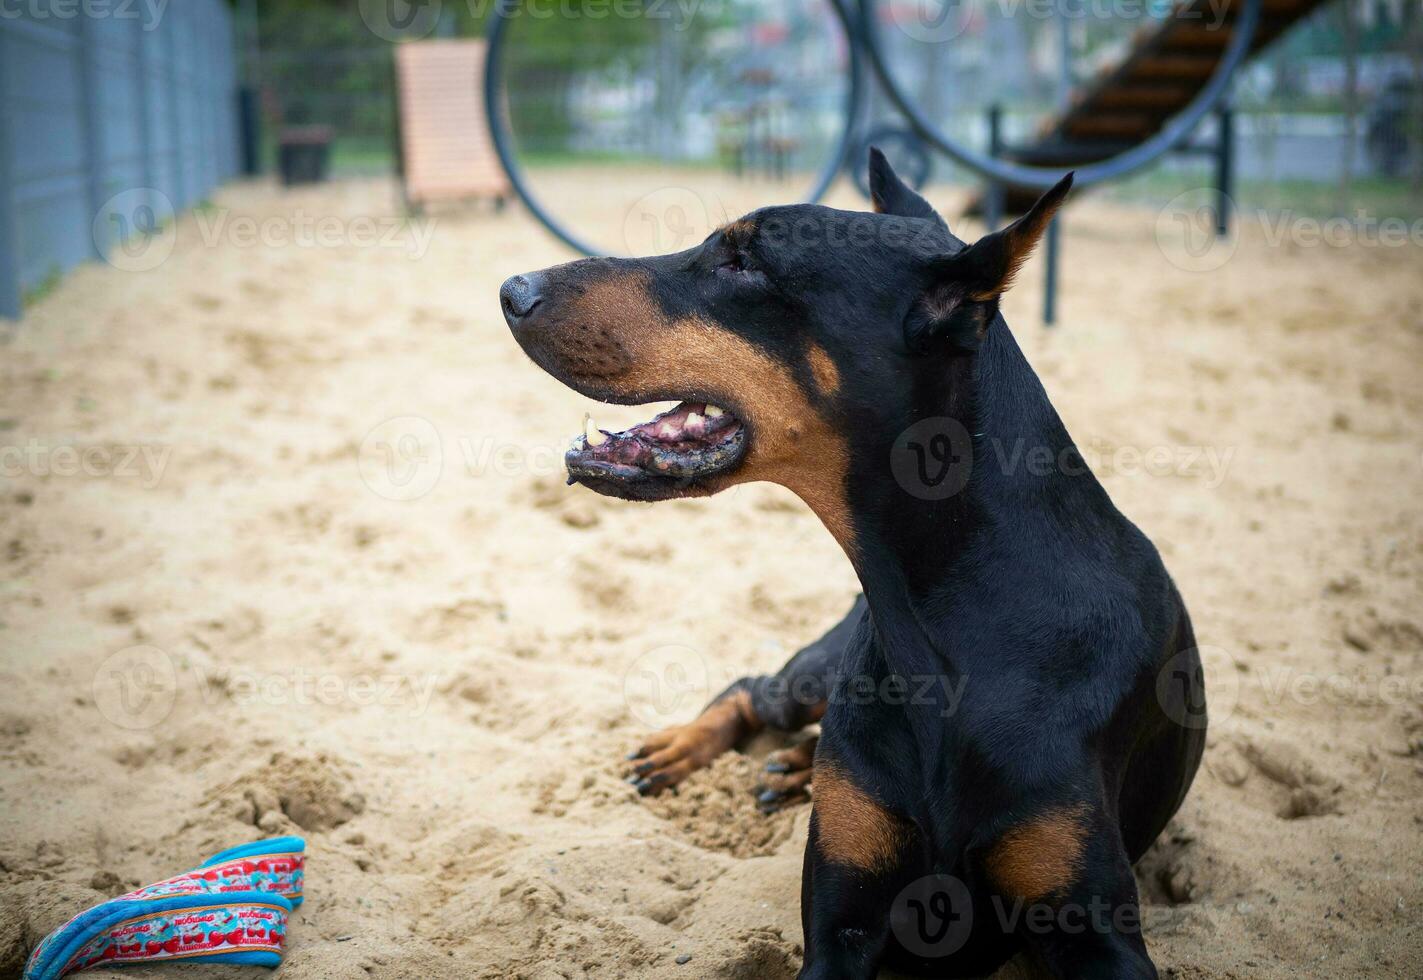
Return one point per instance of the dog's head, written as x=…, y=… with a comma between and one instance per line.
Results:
x=796, y=339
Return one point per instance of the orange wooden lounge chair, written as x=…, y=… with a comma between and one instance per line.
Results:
x=445, y=152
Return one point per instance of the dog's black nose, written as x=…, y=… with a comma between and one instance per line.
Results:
x=518, y=297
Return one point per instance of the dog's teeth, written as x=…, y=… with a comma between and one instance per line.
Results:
x=591, y=433
x=693, y=419
x=668, y=431
x=713, y=412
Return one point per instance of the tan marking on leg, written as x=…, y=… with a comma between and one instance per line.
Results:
x=827, y=375
x=851, y=828
x=644, y=354
x=1041, y=856
x=671, y=755
x=797, y=757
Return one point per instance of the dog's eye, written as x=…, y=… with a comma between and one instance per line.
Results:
x=735, y=267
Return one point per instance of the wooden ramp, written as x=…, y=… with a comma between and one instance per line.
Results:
x=445, y=150
x=1126, y=104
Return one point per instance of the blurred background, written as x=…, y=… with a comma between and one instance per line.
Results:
x=265, y=434
x=734, y=102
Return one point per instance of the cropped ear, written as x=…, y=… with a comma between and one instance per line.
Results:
x=890, y=195
x=962, y=298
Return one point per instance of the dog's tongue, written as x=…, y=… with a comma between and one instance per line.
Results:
x=684, y=441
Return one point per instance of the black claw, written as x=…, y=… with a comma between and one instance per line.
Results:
x=643, y=785
x=632, y=755
x=777, y=766
x=770, y=796
x=642, y=768
x=634, y=780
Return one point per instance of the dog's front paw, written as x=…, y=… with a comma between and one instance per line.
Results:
x=788, y=777
x=673, y=754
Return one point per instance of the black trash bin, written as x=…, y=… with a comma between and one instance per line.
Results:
x=305, y=154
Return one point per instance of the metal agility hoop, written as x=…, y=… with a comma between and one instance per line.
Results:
x=862, y=37
x=506, y=10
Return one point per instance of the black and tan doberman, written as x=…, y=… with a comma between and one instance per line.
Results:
x=995, y=747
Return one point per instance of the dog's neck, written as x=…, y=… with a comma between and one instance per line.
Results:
x=1026, y=476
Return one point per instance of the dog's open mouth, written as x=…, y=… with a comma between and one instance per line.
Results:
x=658, y=458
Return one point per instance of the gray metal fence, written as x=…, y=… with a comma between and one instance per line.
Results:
x=112, y=115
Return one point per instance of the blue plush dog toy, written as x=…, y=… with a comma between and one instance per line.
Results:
x=232, y=908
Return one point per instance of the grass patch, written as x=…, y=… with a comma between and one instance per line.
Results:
x=43, y=289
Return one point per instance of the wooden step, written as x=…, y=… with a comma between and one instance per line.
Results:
x=1192, y=66
x=1140, y=97
x=1120, y=125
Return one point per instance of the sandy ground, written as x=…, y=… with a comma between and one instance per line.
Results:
x=340, y=590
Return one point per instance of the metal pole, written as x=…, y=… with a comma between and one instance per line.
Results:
x=993, y=200
x=1224, y=169
x=249, y=105
x=1064, y=55
x=1050, y=276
